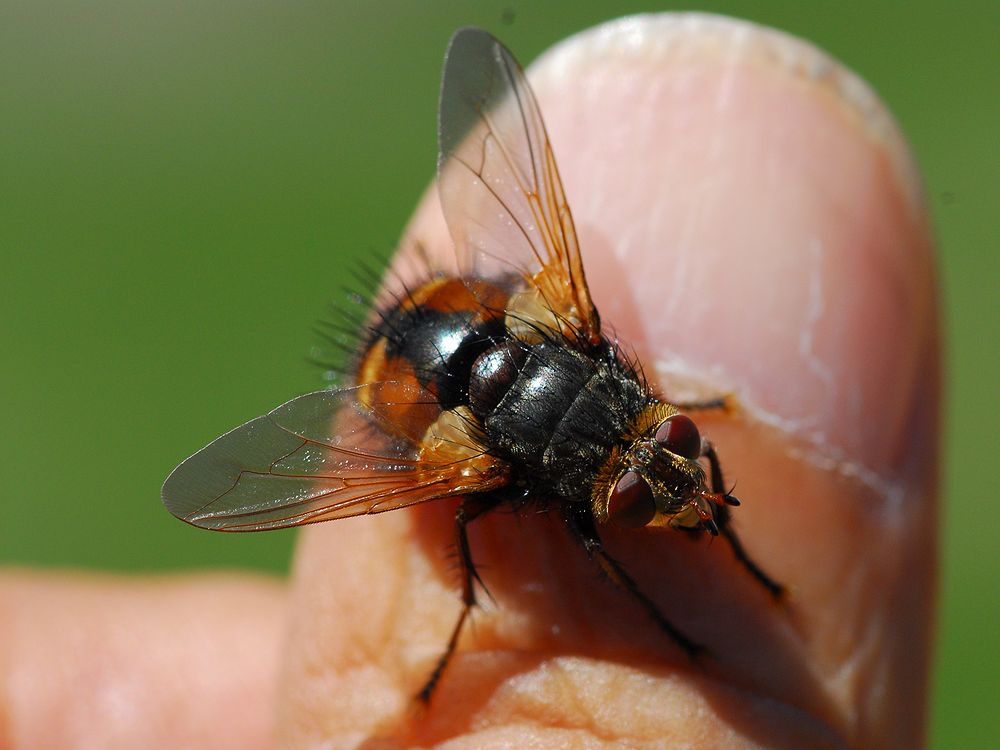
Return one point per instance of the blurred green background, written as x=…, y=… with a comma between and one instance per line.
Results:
x=182, y=185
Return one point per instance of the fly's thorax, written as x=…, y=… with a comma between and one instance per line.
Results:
x=655, y=478
x=554, y=411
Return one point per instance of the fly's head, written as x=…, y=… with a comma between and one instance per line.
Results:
x=657, y=478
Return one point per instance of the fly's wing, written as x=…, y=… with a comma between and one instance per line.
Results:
x=318, y=457
x=500, y=189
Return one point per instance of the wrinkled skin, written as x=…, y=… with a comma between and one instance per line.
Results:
x=751, y=220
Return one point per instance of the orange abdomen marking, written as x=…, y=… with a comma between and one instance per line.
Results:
x=430, y=339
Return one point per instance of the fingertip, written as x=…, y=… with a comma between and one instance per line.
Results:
x=751, y=215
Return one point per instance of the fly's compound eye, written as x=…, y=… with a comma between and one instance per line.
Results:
x=678, y=434
x=631, y=504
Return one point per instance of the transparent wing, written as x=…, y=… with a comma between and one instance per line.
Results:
x=500, y=189
x=318, y=457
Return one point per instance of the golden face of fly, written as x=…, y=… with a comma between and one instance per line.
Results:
x=657, y=480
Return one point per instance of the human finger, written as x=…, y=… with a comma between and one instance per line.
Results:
x=750, y=219
x=113, y=662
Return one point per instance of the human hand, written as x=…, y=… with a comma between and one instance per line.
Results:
x=750, y=218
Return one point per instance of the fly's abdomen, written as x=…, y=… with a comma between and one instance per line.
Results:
x=431, y=339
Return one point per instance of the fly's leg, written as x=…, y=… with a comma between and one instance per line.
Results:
x=471, y=508
x=723, y=517
x=722, y=403
x=582, y=529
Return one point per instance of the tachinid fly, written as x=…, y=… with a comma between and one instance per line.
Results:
x=495, y=386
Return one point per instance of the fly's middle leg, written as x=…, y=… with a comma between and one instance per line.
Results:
x=471, y=508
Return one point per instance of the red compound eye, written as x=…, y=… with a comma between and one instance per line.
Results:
x=679, y=435
x=631, y=503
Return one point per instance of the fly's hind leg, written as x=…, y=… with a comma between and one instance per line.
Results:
x=471, y=508
x=723, y=518
x=582, y=529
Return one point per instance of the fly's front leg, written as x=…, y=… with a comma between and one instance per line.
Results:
x=723, y=518
x=582, y=529
x=722, y=403
x=471, y=508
